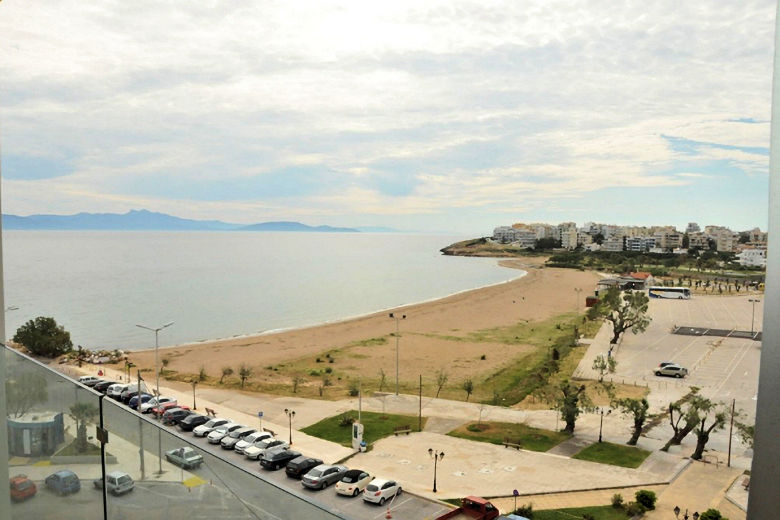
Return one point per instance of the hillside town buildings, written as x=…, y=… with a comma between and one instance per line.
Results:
x=749, y=246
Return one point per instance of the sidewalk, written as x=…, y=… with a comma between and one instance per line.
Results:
x=700, y=487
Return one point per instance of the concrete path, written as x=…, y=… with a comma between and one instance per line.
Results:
x=442, y=425
x=700, y=487
x=570, y=447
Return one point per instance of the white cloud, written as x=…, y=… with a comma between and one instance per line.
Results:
x=406, y=107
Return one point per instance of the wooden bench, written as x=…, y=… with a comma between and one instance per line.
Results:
x=509, y=444
x=210, y=412
x=746, y=483
x=402, y=429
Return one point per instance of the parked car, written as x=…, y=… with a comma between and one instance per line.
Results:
x=64, y=482
x=102, y=386
x=172, y=416
x=277, y=457
x=164, y=407
x=130, y=391
x=117, y=483
x=475, y=508
x=299, y=466
x=672, y=370
x=220, y=431
x=228, y=442
x=255, y=451
x=133, y=402
x=250, y=439
x=323, y=476
x=89, y=380
x=154, y=402
x=353, y=482
x=115, y=390
x=379, y=490
x=22, y=488
x=664, y=363
x=185, y=457
x=208, y=427
x=193, y=421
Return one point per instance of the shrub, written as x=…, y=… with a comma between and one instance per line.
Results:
x=331, y=360
x=346, y=420
x=483, y=357
x=634, y=509
x=526, y=511
x=314, y=372
x=588, y=516
x=328, y=370
x=617, y=501
x=43, y=337
x=318, y=360
x=712, y=514
x=354, y=391
x=646, y=498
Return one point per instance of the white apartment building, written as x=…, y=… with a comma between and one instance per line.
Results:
x=569, y=239
x=693, y=227
x=667, y=239
x=752, y=257
x=639, y=243
x=613, y=244
x=726, y=240
x=698, y=239
x=510, y=235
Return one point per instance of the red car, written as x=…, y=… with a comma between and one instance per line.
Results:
x=159, y=410
x=22, y=488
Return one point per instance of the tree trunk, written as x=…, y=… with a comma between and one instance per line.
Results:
x=701, y=442
x=635, y=436
x=678, y=436
x=615, y=336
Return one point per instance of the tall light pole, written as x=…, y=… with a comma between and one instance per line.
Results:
x=436, y=456
x=290, y=415
x=194, y=384
x=156, y=352
x=754, y=301
x=397, y=337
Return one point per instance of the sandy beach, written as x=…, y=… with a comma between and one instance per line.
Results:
x=364, y=345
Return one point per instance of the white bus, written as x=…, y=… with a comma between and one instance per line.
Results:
x=674, y=293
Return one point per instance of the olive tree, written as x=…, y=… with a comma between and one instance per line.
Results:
x=637, y=410
x=625, y=310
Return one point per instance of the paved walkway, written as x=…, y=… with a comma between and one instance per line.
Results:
x=700, y=487
x=574, y=499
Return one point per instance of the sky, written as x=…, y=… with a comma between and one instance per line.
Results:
x=451, y=116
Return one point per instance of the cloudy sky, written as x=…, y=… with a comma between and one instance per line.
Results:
x=419, y=115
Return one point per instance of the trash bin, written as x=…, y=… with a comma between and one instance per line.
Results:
x=363, y=446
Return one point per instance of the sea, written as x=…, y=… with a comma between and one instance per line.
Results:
x=100, y=285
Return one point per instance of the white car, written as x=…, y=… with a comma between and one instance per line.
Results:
x=208, y=427
x=154, y=402
x=222, y=431
x=380, y=490
x=115, y=391
x=353, y=482
x=256, y=450
x=250, y=440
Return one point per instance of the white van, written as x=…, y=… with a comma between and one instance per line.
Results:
x=88, y=380
x=115, y=391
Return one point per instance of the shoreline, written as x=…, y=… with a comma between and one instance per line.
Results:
x=435, y=334
x=502, y=262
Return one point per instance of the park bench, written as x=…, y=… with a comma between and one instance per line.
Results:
x=508, y=443
x=402, y=429
x=210, y=412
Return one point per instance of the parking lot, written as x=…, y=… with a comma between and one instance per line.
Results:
x=725, y=368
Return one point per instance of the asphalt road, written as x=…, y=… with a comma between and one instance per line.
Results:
x=268, y=494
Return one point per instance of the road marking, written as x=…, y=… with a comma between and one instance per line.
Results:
x=744, y=349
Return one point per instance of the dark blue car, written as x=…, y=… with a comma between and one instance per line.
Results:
x=63, y=482
x=133, y=403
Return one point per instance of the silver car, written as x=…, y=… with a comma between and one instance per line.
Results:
x=672, y=370
x=323, y=476
x=117, y=483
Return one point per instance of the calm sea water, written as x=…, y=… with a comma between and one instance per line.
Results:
x=216, y=284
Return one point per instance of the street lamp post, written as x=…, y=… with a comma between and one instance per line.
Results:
x=754, y=301
x=397, y=337
x=194, y=384
x=156, y=352
x=601, y=421
x=436, y=456
x=290, y=415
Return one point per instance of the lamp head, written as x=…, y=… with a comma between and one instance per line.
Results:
x=441, y=455
x=430, y=452
x=676, y=510
x=696, y=515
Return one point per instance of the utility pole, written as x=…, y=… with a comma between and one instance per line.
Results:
x=731, y=431
x=419, y=415
x=141, y=435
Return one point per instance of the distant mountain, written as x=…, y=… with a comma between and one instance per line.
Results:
x=144, y=220
x=376, y=229
x=295, y=226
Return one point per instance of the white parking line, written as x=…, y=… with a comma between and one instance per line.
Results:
x=744, y=350
x=391, y=509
